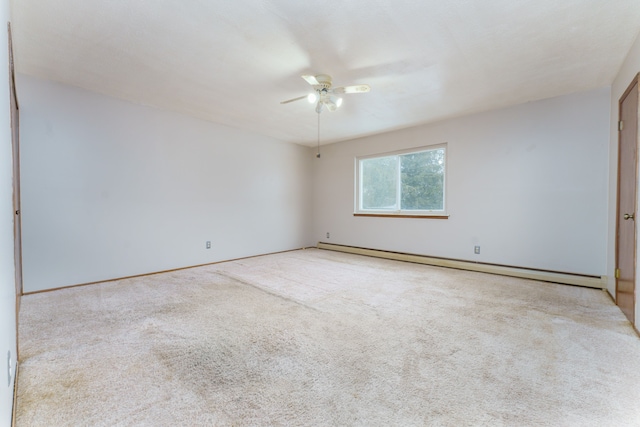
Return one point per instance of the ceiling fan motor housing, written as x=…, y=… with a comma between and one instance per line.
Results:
x=324, y=82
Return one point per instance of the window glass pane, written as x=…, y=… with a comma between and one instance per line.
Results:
x=422, y=179
x=378, y=184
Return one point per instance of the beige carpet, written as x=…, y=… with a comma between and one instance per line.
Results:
x=319, y=338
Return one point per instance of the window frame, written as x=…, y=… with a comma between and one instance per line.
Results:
x=399, y=213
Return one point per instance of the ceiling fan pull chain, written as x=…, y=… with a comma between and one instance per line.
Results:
x=318, y=154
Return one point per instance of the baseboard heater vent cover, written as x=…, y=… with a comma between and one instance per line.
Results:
x=597, y=282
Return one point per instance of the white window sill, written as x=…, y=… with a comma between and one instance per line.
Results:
x=401, y=215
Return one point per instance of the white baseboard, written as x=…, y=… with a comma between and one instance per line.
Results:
x=598, y=282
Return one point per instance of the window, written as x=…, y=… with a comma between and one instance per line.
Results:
x=402, y=183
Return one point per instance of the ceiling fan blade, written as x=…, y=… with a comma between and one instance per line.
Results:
x=311, y=80
x=351, y=89
x=294, y=99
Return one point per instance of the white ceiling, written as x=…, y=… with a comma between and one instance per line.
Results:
x=232, y=62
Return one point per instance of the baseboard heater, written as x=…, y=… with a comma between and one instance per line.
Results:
x=598, y=282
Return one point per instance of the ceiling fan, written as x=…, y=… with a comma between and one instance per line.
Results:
x=324, y=95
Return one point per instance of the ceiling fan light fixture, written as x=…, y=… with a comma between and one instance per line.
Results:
x=324, y=95
x=331, y=106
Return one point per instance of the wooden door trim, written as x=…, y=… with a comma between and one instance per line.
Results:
x=12, y=73
x=627, y=91
x=635, y=81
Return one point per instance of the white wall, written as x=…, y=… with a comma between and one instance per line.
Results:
x=7, y=277
x=528, y=184
x=112, y=189
x=629, y=69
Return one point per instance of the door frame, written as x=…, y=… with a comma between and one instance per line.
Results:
x=15, y=146
x=635, y=81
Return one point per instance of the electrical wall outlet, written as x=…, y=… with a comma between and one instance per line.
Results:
x=208, y=244
x=476, y=250
x=328, y=235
